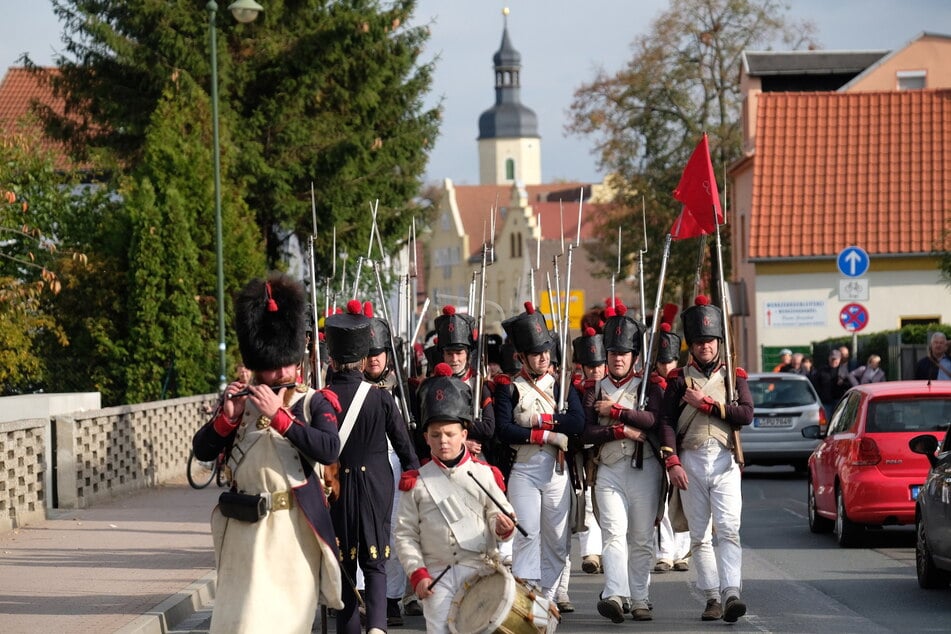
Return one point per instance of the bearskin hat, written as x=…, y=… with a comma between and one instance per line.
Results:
x=271, y=322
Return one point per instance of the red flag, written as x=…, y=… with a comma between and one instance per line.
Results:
x=698, y=192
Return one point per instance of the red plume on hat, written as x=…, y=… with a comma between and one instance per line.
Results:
x=449, y=309
x=589, y=332
x=529, y=308
x=368, y=309
x=701, y=300
x=354, y=307
x=665, y=326
x=442, y=369
x=670, y=312
x=609, y=312
x=620, y=308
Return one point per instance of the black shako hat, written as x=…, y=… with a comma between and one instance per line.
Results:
x=348, y=334
x=528, y=331
x=668, y=344
x=379, y=331
x=493, y=348
x=702, y=321
x=455, y=330
x=588, y=349
x=622, y=333
x=270, y=318
x=445, y=398
x=509, y=361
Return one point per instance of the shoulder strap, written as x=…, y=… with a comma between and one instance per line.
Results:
x=351, y=418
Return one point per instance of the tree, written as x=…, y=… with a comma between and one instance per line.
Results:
x=313, y=91
x=647, y=118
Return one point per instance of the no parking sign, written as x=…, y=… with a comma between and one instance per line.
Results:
x=853, y=317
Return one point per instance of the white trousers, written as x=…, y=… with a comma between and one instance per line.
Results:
x=627, y=500
x=539, y=496
x=396, y=581
x=713, y=495
x=436, y=607
x=673, y=546
x=590, y=540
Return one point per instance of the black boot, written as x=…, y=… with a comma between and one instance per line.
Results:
x=394, y=617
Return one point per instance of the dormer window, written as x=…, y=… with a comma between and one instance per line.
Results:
x=911, y=79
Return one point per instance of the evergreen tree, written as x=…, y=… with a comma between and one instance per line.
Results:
x=320, y=91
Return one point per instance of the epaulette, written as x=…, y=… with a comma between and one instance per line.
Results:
x=499, y=479
x=408, y=479
x=740, y=372
x=589, y=383
x=676, y=373
x=331, y=397
x=503, y=379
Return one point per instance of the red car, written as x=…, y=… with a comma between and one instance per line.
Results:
x=863, y=472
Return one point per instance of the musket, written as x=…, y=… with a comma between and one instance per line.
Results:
x=317, y=369
x=400, y=381
x=563, y=392
x=538, y=261
x=652, y=346
x=727, y=344
x=478, y=360
x=642, y=286
x=360, y=260
x=618, y=271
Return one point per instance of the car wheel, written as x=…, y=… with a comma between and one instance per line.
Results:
x=930, y=577
x=847, y=533
x=817, y=523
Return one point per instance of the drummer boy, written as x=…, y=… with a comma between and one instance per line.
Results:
x=446, y=521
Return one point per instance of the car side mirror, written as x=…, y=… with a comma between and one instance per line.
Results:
x=812, y=431
x=926, y=445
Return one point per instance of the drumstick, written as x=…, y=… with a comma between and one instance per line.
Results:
x=511, y=516
x=442, y=574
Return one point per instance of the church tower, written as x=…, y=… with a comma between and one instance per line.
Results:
x=509, y=145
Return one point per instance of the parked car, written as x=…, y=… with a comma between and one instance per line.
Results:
x=863, y=473
x=933, y=513
x=783, y=405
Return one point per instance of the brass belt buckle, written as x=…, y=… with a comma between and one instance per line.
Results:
x=281, y=501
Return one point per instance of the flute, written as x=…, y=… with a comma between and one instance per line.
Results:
x=274, y=388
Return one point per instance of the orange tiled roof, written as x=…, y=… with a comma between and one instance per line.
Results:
x=834, y=169
x=19, y=89
x=476, y=201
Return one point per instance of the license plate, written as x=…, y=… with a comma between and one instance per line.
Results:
x=915, y=490
x=773, y=422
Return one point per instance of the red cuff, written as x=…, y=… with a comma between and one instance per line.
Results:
x=538, y=437
x=224, y=425
x=672, y=461
x=618, y=431
x=419, y=575
x=282, y=421
x=707, y=406
x=616, y=411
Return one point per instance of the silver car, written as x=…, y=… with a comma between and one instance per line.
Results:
x=783, y=405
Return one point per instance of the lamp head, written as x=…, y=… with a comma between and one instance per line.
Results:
x=245, y=11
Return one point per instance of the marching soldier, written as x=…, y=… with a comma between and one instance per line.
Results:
x=673, y=549
x=445, y=521
x=528, y=419
x=276, y=435
x=456, y=339
x=630, y=484
x=361, y=514
x=705, y=470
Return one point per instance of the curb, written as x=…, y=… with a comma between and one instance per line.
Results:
x=176, y=608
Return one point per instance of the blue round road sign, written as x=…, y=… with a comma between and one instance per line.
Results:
x=853, y=317
x=852, y=261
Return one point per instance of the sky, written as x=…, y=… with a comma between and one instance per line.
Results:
x=563, y=43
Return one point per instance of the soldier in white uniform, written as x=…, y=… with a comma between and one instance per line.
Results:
x=696, y=405
x=630, y=480
x=527, y=419
x=445, y=520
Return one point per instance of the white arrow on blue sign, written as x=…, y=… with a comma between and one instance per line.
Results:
x=852, y=261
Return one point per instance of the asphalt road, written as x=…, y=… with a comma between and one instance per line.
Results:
x=794, y=581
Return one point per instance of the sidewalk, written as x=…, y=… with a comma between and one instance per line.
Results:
x=137, y=564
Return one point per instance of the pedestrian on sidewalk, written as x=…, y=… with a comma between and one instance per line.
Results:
x=275, y=524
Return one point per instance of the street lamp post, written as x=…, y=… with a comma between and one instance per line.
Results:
x=243, y=11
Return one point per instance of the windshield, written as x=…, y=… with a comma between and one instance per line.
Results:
x=912, y=414
x=781, y=393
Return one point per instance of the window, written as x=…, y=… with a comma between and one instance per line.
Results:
x=911, y=79
x=844, y=416
x=904, y=415
x=510, y=169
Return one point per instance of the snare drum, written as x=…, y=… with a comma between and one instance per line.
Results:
x=492, y=600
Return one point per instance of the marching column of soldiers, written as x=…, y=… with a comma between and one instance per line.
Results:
x=469, y=495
